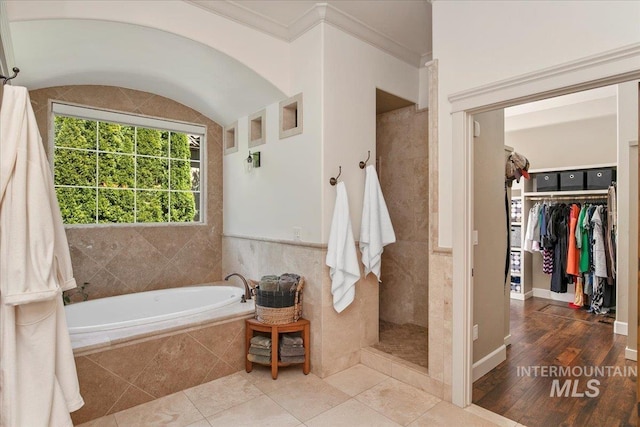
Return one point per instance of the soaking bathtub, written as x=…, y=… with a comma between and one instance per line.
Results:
x=106, y=321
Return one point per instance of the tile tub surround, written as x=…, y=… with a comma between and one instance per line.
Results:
x=125, y=375
x=117, y=260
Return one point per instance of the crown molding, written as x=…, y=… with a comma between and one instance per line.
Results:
x=242, y=15
x=320, y=12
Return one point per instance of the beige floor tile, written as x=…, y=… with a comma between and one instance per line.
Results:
x=175, y=410
x=201, y=423
x=304, y=396
x=491, y=416
x=356, y=379
x=445, y=414
x=221, y=394
x=351, y=414
x=108, y=421
x=398, y=401
x=259, y=412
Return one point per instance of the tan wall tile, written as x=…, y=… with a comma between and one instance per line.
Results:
x=134, y=263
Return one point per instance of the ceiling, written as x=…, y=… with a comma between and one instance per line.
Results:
x=56, y=52
x=402, y=27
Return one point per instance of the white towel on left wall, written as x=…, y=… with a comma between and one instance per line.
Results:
x=376, y=230
x=342, y=257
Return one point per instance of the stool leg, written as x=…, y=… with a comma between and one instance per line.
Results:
x=274, y=352
x=247, y=344
x=307, y=349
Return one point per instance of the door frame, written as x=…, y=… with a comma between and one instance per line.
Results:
x=607, y=68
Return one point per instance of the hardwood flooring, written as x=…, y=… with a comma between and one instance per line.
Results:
x=547, y=333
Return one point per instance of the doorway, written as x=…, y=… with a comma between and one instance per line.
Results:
x=548, y=332
x=402, y=165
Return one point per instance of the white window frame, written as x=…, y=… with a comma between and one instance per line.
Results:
x=130, y=119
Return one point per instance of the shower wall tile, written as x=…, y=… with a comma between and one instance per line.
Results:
x=403, y=149
x=116, y=260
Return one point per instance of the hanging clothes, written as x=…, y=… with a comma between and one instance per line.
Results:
x=38, y=380
x=583, y=226
x=532, y=236
x=559, y=235
x=599, y=254
x=573, y=255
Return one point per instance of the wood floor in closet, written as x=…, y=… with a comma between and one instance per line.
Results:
x=549, y=333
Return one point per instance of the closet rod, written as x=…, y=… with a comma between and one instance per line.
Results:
x=574, y=197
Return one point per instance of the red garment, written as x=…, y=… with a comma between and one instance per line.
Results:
x=573, y=254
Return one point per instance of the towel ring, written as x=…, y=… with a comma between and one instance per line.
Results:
x=334, y=180
x=364, y=164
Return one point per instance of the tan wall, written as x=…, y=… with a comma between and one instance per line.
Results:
x=117, y=260
x=490, y=221
x=403, y=151
x=581, y=142
x=336, y=338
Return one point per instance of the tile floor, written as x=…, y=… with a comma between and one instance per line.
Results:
x=407, y=341
x=358, y=396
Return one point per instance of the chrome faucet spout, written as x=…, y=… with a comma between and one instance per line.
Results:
x=247, y=290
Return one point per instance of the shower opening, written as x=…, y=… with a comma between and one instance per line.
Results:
x=402, y=163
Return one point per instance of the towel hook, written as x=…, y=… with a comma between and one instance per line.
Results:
x=364, y=164
x=15, y=70
x=334, y=180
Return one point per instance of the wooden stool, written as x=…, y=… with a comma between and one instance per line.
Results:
x=301, y=325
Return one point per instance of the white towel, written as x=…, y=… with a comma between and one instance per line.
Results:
x=376, y=230
x=342, y=257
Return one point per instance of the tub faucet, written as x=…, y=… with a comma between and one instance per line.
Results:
x=247, y=291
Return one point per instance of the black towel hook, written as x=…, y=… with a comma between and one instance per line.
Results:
x=364, y=164
x=334, y=180
x=15, y=70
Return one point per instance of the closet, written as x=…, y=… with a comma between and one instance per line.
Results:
x=539, y=260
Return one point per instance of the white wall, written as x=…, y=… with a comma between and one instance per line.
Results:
x=285, y=191
x=266, y=55
x=353, y=71
x=481, y=42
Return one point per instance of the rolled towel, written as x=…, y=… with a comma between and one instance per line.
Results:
x=260, y=341
x=288, y=339
x=291, y=351
x=289, y=282
x=269, y=283
x=292, y=359
x=259, y=351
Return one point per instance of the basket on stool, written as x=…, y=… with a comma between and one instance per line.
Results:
x=279, y=307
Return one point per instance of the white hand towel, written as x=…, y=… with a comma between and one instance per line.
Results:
x=376, y=230
x=342, y=257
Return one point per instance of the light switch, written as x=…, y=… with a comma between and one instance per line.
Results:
x=475, y=237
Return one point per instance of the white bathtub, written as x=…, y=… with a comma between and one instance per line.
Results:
x=107, y=320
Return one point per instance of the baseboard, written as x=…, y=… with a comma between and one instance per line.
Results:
x=546, y=293
x=631, y=354
x=620, y=328
x=507, y=340
x=521, y=297
x=490, y=361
